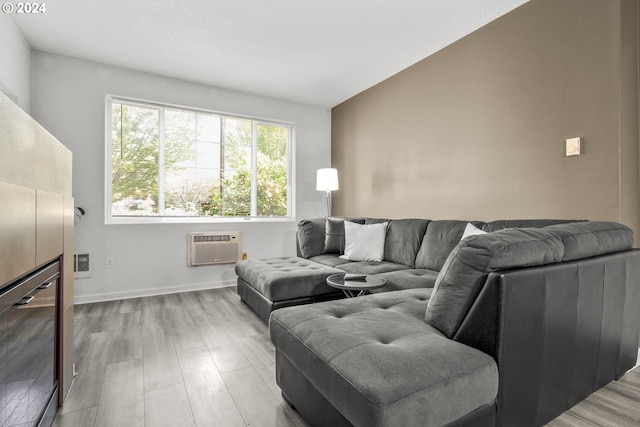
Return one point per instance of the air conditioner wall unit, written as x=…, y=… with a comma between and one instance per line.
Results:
x=214, y=247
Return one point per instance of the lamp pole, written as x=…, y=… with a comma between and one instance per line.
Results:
x=329, y=203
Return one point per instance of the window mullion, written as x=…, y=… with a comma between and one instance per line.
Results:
x=223, y=143
x=161, y=161
x=254, y=169
x=290, y=170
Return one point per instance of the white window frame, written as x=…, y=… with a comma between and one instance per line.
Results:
x=253, y=217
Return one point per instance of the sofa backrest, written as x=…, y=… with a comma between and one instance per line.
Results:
x=435, y=239
x=467, y=267
x=404, y=237
x=586, y=239
x=501, y=224
x=317, y=236
x=439, y=240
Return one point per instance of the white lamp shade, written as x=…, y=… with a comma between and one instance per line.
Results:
x=327, y=179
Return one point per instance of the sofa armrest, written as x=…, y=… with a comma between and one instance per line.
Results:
x=558, y=332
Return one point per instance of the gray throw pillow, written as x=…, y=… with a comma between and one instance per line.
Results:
x=310, y=235
x=334, y=236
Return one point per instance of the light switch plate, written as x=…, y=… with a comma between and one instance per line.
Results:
x=573, y=146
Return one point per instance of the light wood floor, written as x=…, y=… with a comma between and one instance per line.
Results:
x=615, y=405
x=198, y=358
x=204, y=358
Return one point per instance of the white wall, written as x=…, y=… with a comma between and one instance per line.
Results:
x=69, y=101
x=15, y=57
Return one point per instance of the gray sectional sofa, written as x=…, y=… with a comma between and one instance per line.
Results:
x=414, y=252
x=510, y=328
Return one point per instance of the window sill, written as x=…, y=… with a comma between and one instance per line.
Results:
x=193, y=220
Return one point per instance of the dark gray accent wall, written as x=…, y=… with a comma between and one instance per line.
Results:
x=477, y=130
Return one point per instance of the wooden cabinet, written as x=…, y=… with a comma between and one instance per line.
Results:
x=31, y=229
x=36, y=214
x=49, y=226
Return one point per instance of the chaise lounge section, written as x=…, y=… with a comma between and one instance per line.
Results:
x=268, y=284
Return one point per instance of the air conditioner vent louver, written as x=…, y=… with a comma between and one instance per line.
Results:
x=212, y=238
x=212, y=248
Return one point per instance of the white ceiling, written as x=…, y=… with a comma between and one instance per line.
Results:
x=317, y=52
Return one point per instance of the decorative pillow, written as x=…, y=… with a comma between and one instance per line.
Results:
x=310, y=235
x=334, y=234
x=364, y=242
x=471, y=230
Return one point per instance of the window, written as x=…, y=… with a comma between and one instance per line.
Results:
x=169, y=162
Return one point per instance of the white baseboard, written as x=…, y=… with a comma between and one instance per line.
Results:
x=136, y=293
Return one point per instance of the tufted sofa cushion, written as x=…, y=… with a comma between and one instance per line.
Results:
x=379, y=364
x=371, y=267
x=285, y=278
x=332, y=260
x=468, y=265
x=408, y=279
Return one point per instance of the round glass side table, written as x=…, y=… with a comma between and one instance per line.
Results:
x=355, y=288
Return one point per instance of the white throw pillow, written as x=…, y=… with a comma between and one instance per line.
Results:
x=364, y=242
x=471, y=230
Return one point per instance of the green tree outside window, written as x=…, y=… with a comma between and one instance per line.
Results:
x=182, y=163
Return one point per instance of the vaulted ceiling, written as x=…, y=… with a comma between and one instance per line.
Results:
x=311, y=52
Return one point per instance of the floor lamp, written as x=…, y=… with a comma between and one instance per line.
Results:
x=327, y=181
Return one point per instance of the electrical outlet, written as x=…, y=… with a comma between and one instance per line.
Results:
x=110, y=262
